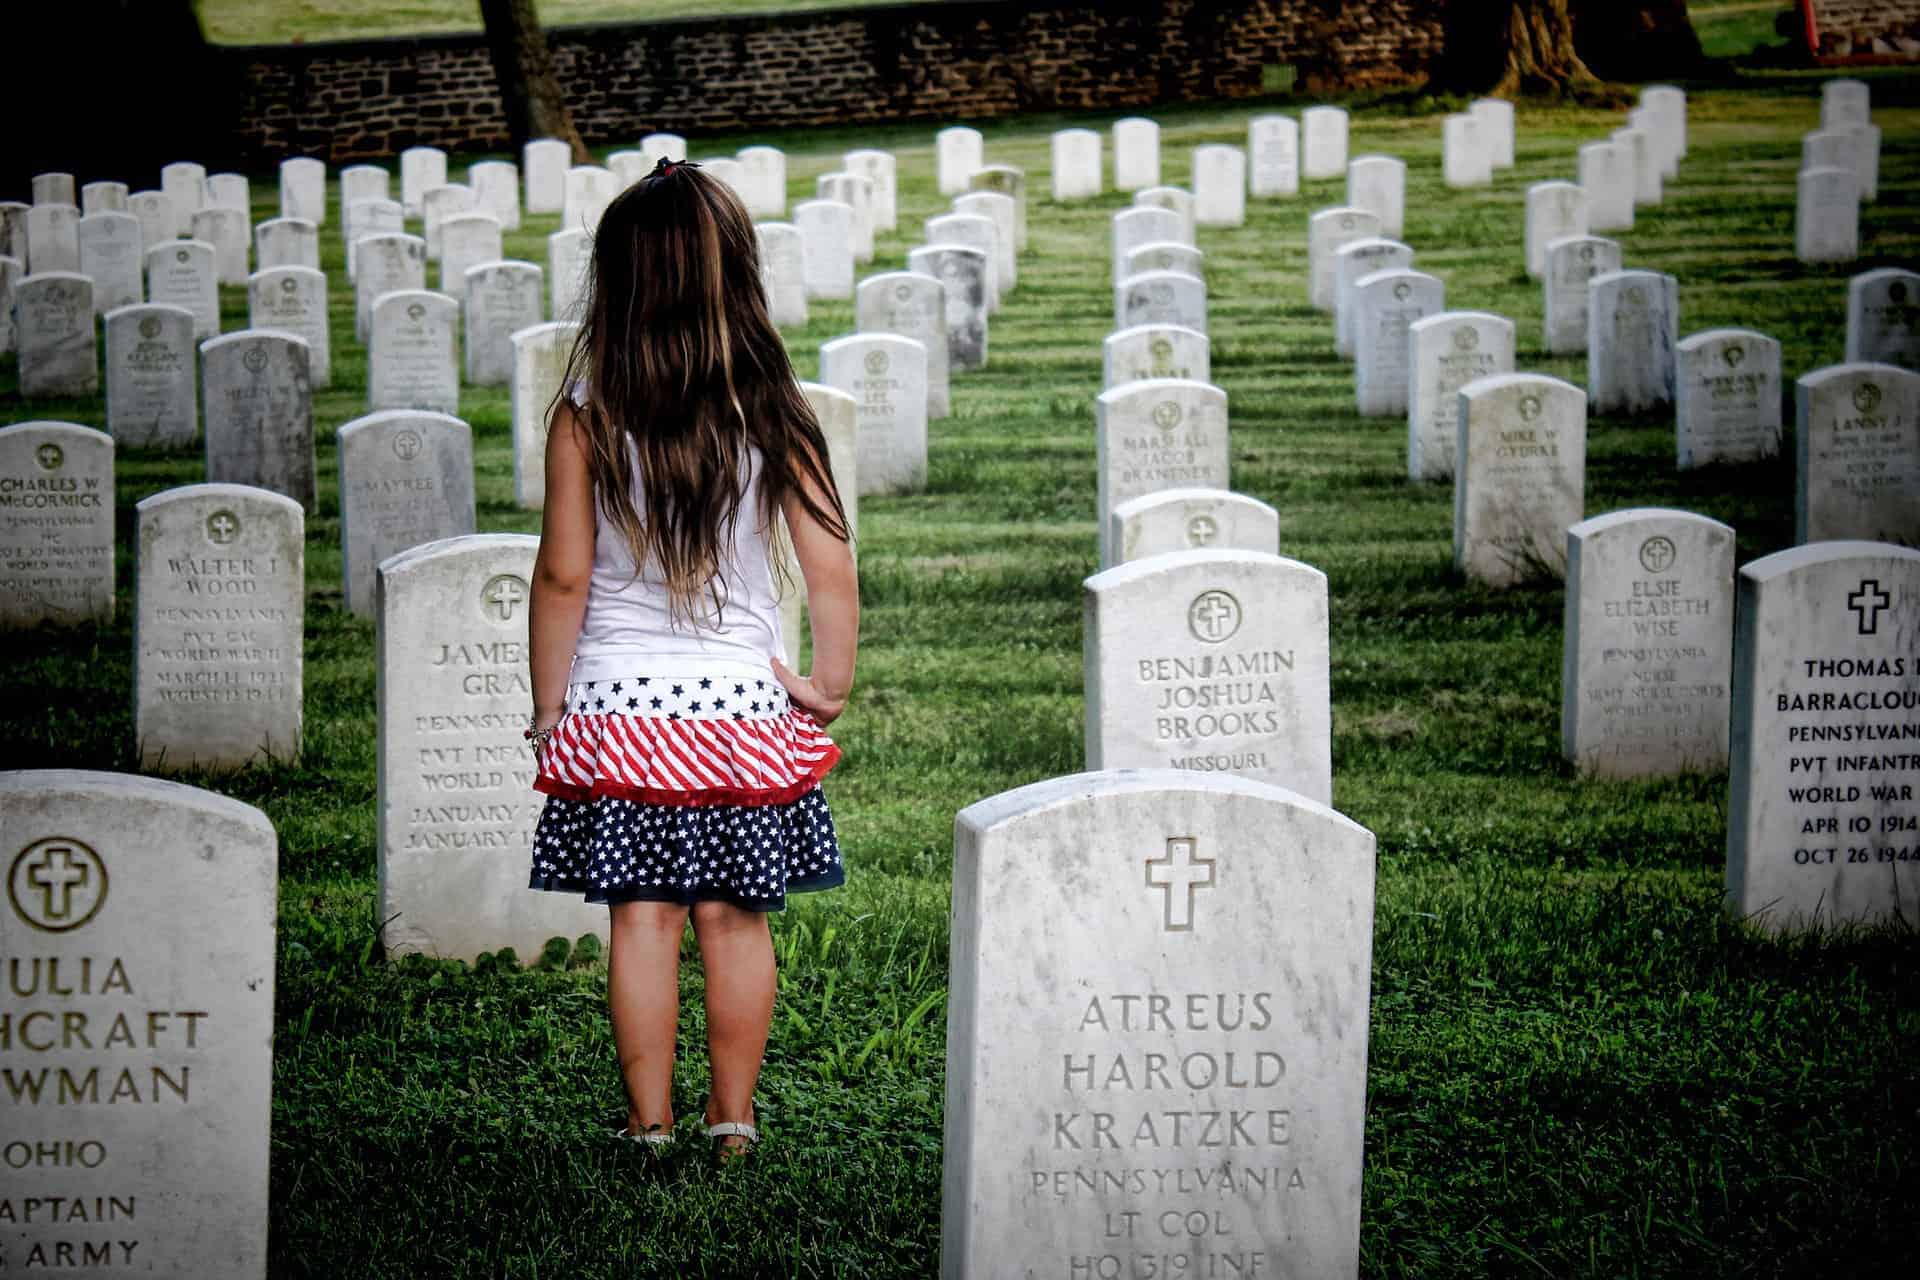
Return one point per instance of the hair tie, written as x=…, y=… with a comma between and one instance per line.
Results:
x=664, y=167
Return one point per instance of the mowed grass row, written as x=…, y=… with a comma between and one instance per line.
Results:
x=1578, y=1066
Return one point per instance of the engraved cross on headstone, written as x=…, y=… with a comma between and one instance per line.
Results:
x=42, y=875
x=222, y=527
x=1181, y=868
x=1867, y=602
x=504, y=594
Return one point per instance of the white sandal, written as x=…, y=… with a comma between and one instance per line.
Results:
x=732, y=1129
x=659, y=1137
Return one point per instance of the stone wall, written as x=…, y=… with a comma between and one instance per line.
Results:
x=1866, y=30
x=930, y=61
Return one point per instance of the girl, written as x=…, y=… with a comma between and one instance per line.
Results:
x=680, y=755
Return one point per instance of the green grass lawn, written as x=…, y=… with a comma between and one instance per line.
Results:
x=284, y=21
x=1735, y=28
x=1578, y=1066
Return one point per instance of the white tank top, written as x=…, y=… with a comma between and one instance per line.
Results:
x=628, y=629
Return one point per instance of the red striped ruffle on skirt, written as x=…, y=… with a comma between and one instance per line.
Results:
x=686, y=761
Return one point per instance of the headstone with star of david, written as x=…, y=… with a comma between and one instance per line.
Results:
x=1727, y=397
x=294, y=300
x=138, y=926
x=1192, y=520
x=1823, y=814
x=219, y=604
x=456, y=800
x=1857, y=448
x=1166, y=1068
x=413, y=358
x=1155, y=351
x=1519, y=476
x=1447, y=351
x=56, y=524
x=259, y=411
x=1648, y=644
x=1158, y=433
x=914, y=306
x=887, y=377
x=153, y=393
x=406, y=478
x=1214, y=661
x=498, y=299
x=1883, y=318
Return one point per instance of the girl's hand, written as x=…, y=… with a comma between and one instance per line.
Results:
x=807, y=697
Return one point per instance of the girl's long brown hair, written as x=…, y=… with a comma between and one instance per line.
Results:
x=679, y=355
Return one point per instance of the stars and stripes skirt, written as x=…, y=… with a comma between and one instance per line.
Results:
x=685, y=788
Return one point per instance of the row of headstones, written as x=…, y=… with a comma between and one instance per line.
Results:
x=1176, y=1040
x=1839, y=169
x=1279, y=153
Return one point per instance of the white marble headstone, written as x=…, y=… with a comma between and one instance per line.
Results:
x=1571, y=264
x=496, y=191
x=1555, y=211
x=53, y=238
x=856, y=192
x=1351, y=261
x=180, y=273
x=226, y=231
x=53, y=188
x=1212, y=973
x=1158, y=433
x=457, y=808
x=1883, y=317
x=1467, y=154
x=466, y=240
x=155, y=213
x=1191, y=520
x=103, y=197
x=230, y=191
x=1647, y=647
x=371, y=218
x=1219, y=186
x=539, y=363
x=1155, y=351
x=1633, y=321
x=1323, y=133
x=362, y=182
x=500, y=299
x=974, y=231
x=1727, y=406
x=1010, y=181
x=448, y=200
x=256, y=386
x=545, y=161
x=153, y=396
x=1077, y=165
x=110, y=257
x=1132, y=228
x=1273, y=156
x=1215, y=661
x=421, y=169
x=1136, y=153
x=1448, y=351
x=1327, y=230
x=1001, y=211
x=286, y=242
x=914, y=306
x=1494, y=116
x=56, y=525
x=669, y=146
x=412, y=356
x=1385, y=306
x=1844, y=102
x=826, y=247
x=387, y=263
x=883, y=171
x=1175, y=199
x=294, y=299
x=887, y=377
x=569, y=255
x=1826, y=226
x=143, y=930
x=782, y=273
x=1823, y=800
x=1857, y=448
x=763, y=173
x=962, y=273
x=406, y=478
x=185, y=184
x=1160, y=297
x=1378, y=184
x=219, y=604
x=1164, y=255
x=958, y=152
x=1607, y=180
x=55, y=335
x=303, y=190
x=1520, y=464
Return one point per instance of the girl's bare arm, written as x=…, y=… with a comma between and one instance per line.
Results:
x=562, y=568
x=833, y=607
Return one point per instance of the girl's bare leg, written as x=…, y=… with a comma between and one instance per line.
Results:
x=643, y=997
x=737, y=952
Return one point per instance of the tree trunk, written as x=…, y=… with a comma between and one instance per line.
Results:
x=1511, y=47
x=1641, y=40
x=529, y=88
